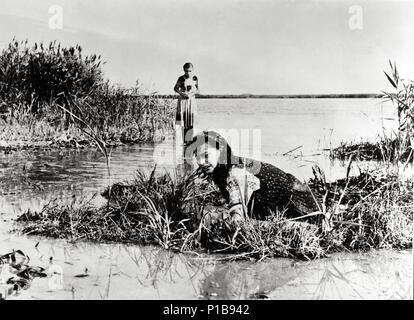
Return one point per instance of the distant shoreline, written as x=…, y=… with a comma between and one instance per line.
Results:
x=272, y=96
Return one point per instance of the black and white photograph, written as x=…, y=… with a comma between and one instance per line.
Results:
x=219, y=152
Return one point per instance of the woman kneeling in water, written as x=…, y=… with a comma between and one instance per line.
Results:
x=252, y=188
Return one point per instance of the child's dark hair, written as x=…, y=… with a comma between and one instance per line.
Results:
x=188, y=65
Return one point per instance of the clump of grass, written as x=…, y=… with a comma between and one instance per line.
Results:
x=33, y=76
x=29, y=132
x=274, y=237
x=386, y=149
x=400, y=146
x=371, y=210
x=403, y=98
x=46, y=89
x=152, y=209
x=368, y=211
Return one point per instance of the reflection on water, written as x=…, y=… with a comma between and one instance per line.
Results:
x=30, y=179
x=375, y=275
x=115, y=271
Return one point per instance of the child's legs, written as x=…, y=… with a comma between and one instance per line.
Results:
x=188, y=134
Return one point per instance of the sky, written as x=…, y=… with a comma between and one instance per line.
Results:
x=236, y=46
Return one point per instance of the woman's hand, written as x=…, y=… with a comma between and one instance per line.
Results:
x=236, y=214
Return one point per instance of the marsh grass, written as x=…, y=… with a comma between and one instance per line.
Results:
x=399, y=147
x=375, y=211
x=372, y=210
x=45, y=89
x=387, y=149
x=28, y=132
x=131, y=119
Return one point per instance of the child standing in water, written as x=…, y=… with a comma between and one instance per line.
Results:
x=187, y=88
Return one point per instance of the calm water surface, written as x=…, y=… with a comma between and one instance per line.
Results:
x=30, y=179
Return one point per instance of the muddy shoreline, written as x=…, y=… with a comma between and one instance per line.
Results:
x=7, y=147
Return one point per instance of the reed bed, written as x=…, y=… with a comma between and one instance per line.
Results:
x=399, y=147
x=44, y=88
x=186, y=214
x=387, y=149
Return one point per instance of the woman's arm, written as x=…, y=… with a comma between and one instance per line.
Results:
x=236, y=209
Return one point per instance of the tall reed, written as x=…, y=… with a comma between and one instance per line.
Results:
x=61, y=86
x=403, y=98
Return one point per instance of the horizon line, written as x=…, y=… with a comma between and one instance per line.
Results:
x=271, y=96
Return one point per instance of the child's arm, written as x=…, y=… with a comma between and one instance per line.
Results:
x=195, y=90
x=177, y=88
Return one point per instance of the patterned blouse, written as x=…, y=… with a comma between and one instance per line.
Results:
x=186, y=84
x=262, y=188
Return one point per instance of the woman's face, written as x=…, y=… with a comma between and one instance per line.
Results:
x=208, y=159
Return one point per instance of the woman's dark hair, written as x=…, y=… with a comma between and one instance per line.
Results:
x=216, y=141
x=188, y=65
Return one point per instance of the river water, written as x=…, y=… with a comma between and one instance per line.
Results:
x=29, y=179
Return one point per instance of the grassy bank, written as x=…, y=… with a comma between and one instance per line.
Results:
x=386, y=149
x=149, y=122
x=57, y=96
x=373, y=210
